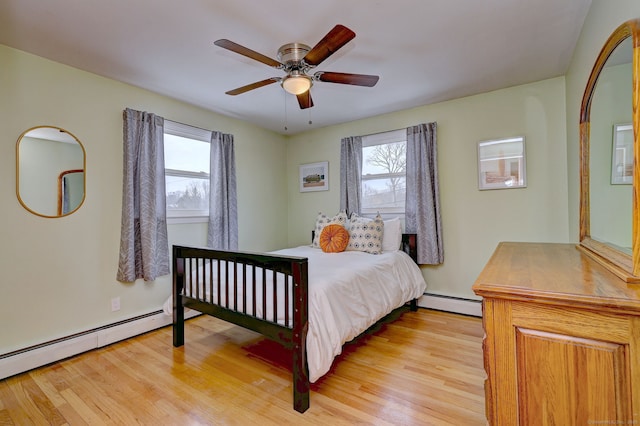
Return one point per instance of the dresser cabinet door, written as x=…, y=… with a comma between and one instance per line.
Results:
x=558, y=365
x=566, y=380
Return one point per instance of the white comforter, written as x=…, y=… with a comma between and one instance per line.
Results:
x=349, y=292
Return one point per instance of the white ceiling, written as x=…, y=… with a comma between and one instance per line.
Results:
x=424, y=51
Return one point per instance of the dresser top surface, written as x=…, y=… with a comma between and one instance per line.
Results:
x=555, y=274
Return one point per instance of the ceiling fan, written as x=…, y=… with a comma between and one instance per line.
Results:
x=296, y=60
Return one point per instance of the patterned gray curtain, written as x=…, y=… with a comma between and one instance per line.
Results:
x=422, y=212
x=350, y=174
x=144, y=247
x=223, y=210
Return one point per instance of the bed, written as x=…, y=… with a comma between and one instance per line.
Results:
x=309, y=301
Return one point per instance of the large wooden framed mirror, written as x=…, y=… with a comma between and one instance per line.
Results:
x=609, y=202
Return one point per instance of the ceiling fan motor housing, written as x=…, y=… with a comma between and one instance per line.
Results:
x=292, y=54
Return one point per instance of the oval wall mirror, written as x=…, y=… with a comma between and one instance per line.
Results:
x=609, y=145
x=50, y=171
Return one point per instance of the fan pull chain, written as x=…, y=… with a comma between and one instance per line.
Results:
x=284, y=96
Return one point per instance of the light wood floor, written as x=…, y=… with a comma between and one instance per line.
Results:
x=421, y=368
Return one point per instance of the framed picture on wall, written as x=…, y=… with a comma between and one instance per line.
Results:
x=501, y=164
x=314, y=177
x=622, y=155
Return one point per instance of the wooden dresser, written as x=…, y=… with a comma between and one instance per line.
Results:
x=562, y=338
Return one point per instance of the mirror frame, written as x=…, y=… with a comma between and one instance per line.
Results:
x=84, y=167
x=620, y=263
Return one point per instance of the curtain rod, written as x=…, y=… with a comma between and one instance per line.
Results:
x=389, y=131
x=190, y=125
x=385, y=131
x=209, y=131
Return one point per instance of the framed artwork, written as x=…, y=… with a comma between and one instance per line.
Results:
x=622, y=155
x=314, y=177
x=501, y=164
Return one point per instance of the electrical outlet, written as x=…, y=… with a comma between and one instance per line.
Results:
x=115, y=304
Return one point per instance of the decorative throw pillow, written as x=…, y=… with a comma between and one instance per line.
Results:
x=334, y=238
x=392, y=235
x=366, y=234
x=323, y=220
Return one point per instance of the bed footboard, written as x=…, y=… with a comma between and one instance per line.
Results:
x=264, y=293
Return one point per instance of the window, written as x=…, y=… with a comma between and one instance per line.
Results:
x=186, y=161
x=384, y=159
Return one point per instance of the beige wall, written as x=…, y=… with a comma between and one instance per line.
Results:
x=58, y=275
x=473, y=221
x=604, y=17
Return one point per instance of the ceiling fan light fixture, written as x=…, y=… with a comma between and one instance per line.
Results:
x=296, y=84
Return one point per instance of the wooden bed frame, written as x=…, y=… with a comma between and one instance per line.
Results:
x=292, y=335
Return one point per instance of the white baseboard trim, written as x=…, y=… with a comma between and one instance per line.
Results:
x=24, y=360
x=451, y=304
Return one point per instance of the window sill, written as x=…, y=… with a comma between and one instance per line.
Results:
x=175, y=220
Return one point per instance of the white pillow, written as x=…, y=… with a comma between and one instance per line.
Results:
x=392, y=235
x=365, y=234
x=323, y=220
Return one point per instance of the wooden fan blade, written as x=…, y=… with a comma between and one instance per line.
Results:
x=346, y=78
x=252, y=86
x=334, y=40
x=304, y=100
x=252, y=54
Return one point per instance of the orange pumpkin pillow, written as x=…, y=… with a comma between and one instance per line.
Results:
x=334, y=239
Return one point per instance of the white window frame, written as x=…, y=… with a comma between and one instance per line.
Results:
x=195, y=133
x=383, y=138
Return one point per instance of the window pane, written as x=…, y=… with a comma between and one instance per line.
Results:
x=386, y=158
x=383, y=177
x=185, y=154
x=187, y=193
x=384, y=195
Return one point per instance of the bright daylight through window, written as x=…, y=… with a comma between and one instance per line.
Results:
x=186, y=159
x=384, y=159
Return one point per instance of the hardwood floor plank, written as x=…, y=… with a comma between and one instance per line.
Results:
x=20, y=408
x=42, y=403
x=91, y=415
x=417, y=368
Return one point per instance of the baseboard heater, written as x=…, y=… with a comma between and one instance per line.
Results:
x=457, y=305
x=26, y=359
